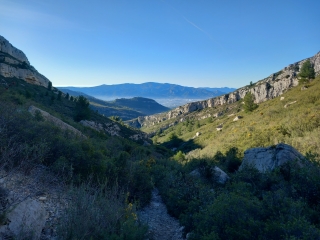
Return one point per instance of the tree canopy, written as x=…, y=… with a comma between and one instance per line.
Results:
x=307, y=72
x=249, y=104
x=82, y=109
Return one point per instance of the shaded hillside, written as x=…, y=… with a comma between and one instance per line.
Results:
x=124, y=108
x=144, y=105
x=146, y=90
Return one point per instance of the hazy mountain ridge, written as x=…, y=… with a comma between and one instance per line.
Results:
x=124, y=108
x=263, y=90
x=148, y=90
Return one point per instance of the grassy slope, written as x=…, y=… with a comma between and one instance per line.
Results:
x=297, y=125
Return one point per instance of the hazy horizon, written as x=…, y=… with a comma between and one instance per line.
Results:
x=196, y=44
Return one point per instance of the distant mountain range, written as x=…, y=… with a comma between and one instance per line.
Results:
x=124, y=108
x=150, y=90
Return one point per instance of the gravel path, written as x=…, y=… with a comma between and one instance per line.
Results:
x=161, y=225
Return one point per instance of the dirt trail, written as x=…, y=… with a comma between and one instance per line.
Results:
x=161, y=225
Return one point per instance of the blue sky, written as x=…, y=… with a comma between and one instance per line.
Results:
x=199, y=43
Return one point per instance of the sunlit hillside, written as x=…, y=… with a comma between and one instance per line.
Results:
x=292, y=118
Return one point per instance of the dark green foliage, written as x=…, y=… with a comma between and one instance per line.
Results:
x=67, y=96
x=99, y=213
x=282, y=204
x=82, y=109
x=249, y=104
x=28, y=94
x=174, y=141
x=306, y=72
x=59, y=96
x=49, y=86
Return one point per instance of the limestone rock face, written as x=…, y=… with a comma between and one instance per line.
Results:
x=271, y=87
x=6, y=47
x=15, y=64
x=110, y=128
x=269, y=158
x=25, y=219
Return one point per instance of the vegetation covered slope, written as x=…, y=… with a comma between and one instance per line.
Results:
x=115, y=165
x=281, y=204
x=294, y=120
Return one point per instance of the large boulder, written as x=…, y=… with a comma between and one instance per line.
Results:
x=269, y=158
x=218, y=175
x=25, y=219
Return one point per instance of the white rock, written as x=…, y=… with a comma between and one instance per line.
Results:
x=267, y=159
x=237, y=118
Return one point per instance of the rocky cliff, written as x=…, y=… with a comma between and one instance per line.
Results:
x=263, y=90
x=15, y=64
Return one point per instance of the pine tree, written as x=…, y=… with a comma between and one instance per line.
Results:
x=249, y=104
x=307, y=72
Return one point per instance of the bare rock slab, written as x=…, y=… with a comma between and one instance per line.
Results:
x=25, y=219
x=268, y=158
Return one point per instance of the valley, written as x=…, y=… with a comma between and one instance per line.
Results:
x=243, y=164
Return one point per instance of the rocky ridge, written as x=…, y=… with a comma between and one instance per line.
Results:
x=271, y=87
x=15, y=64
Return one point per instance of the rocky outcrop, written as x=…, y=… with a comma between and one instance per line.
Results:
x=273, y=86
x=111, y=128
x=27, y=219
x=37, y=112
x=269, y=158
x=15, y=64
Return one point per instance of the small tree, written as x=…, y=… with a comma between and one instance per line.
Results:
x=59, y=95
x=249, y=104
x=50, y=86
x=307, y=72
x=67, y=96
x=82, y=109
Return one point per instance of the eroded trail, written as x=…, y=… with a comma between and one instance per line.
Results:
x=161, y=225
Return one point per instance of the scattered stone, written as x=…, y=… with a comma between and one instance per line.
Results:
x=219, y=128
x=237, y=118
x=269, y=158
x=288, y=104
x=282, y=98
x=42, y=198
x=218, y=114
x=198, y=134
x=220, y=175
x=161, y=225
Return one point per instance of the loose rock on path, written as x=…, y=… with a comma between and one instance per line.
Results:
x=161, y=225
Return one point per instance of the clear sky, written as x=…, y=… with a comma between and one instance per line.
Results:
x=199, y=43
